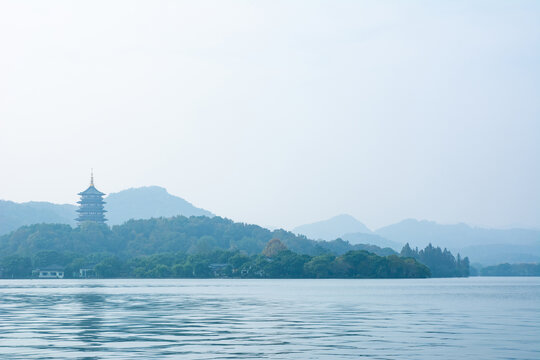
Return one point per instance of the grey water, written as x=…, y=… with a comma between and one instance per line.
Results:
x=473, y=318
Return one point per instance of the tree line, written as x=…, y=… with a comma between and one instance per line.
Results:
x=281, y=263
x=164, y=235
x=137, y=247
x=511, y=270
x=441, y=262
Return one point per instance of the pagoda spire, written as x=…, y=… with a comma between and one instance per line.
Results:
x=92, y=177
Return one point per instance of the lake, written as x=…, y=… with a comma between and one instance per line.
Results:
x=473, y=318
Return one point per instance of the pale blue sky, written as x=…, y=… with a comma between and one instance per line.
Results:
x=278, y=112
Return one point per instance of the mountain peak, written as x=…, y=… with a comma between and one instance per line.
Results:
x=332, y=228
x=345, y=217
x=147, y=202
x=144, y=189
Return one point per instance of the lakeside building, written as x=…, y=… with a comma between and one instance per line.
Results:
x=91, y=205
x=49, y=272
x=219, y=270
x=88, y=272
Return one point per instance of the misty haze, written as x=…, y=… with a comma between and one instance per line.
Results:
x=270, y=179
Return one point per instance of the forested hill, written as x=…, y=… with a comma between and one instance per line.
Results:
x=135, y=203
x=14, y=215
x=196, y=234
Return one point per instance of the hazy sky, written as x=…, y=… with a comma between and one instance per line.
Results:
x=278, y=112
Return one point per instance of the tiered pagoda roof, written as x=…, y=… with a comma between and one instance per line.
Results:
x=91, y=204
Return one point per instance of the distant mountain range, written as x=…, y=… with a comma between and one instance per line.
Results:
x=485, y=246
x=373, y=239
x=14, y=215
x=420, y=233
x=137, y=203
x=332, y=228
x=347, y=228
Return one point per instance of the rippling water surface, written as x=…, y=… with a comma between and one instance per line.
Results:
x=475, y=318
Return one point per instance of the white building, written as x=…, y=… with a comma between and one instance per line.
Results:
x=50, y=272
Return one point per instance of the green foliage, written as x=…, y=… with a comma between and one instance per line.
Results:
x=340, y=246
x=322, y=266
x=110, y=267
x=354, y=264
x=146, y=237
x=16, y=266
x=362, y=264
x=511, y=270
x=191, y=247
x=441, y=262
x=45, y=258
x=285, y=264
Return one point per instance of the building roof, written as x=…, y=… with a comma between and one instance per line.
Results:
x=100, y=218
x=87, y=210
x=92, y=202
x=91, y=191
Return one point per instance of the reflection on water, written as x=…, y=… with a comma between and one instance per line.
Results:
x=89, y=318
x=480, y=318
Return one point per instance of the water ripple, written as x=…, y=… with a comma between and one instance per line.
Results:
x=486, y=318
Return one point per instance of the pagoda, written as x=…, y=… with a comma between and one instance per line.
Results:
x=91, y=204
